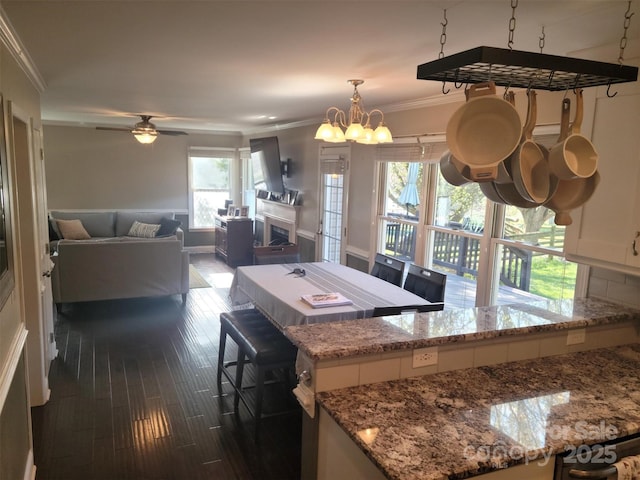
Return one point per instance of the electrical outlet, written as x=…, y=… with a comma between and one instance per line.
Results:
x=423, y=357
x=576, y=336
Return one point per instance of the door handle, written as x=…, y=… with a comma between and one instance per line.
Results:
x=47, y=273
x=633, y=245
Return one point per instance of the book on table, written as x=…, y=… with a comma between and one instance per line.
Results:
x=333, y=299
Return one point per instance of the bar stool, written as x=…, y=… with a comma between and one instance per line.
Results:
x=259, y=343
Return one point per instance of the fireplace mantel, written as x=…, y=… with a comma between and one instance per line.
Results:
x=278, y=214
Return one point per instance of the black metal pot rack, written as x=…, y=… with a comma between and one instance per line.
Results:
x=515, y=68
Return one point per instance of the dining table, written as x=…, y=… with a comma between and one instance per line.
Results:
x=277, y=291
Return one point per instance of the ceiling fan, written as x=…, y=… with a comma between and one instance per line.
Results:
x=144, y=131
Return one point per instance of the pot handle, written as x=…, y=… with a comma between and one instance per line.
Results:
x=564, y=119
x=577, y=121
x=481, y=89
x=483, y=174
x=563, y=219
x=532, y=113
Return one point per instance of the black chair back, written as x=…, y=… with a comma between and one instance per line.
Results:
x=397, y=310
x=276, y=254
x=389, y=269
x=426, y=283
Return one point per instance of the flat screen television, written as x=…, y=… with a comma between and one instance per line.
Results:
x=266, y=165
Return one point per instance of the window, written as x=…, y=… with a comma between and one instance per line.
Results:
x=209, y=184
x=493, y=253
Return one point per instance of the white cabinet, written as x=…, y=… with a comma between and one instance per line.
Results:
x=603, y=231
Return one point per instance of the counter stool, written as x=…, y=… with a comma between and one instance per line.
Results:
x=259, y=343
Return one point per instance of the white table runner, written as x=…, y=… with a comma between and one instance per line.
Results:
x=275, y=291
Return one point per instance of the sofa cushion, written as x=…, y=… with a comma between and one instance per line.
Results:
x=97, y=224
x=72, y=230
x=125, y=219
x=144, y=230
x=168, y=227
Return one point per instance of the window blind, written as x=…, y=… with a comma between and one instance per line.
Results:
x=415, y=152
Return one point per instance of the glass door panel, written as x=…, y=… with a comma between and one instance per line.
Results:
x=332, y=217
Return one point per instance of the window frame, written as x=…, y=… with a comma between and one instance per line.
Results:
x=491, y=239
x=229, y=154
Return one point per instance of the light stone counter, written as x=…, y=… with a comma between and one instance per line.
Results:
x=376, y=353
x=468, y=422
x=351, y=338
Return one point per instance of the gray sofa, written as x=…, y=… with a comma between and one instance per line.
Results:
x=111, y=264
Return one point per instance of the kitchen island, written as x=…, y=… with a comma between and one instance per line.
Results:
x=477, y=359
x=468, y=422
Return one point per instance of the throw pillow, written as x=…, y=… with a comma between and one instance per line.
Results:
x=72, y=230
x=144, y=230
x=168, y=227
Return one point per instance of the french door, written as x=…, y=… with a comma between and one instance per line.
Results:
x=330, y=245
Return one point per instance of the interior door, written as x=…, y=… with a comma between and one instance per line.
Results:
x=29, y=230
x=332, y=201
x=46, y=265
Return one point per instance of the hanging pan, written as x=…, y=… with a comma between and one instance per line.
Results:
x=570, y=194
x=453, y=170
x=484, y=131
x=529, y=168
x=573, y=156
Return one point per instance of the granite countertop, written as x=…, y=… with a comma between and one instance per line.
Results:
x=467, y=422
x=348, y=338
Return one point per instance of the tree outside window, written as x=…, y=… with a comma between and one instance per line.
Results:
x=209, y=188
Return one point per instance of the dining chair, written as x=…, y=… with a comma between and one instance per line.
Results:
x=426, y=283
x=389, y=269
x=276, y=254
x=399, y=309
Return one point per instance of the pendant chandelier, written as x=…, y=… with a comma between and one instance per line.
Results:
x=358, y=126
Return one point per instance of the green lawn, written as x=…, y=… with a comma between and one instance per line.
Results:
x=552, y=277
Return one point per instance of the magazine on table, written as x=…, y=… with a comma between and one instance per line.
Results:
x=333, y=299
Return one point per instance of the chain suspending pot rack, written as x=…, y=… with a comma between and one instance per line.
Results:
x=516, y=68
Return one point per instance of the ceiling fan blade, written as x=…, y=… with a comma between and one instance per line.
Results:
x=117, y=129
x=171, y=132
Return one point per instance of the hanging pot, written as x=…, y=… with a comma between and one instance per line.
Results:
x=453, y=170
x=511, y=196
x=571, y=194
x=490, y=191
x=573, y=156
x=529, y=167
x=484, y=131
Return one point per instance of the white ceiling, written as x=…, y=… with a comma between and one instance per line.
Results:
x=225, y=66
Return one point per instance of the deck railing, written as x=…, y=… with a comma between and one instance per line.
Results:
x=460, y=254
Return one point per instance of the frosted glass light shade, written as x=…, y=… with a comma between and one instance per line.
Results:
x=383, y=135
x=325, y=131
x=146, y=138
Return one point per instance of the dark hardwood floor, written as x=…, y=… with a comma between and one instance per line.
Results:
x=134, y=396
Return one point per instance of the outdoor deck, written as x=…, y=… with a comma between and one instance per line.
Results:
x=461, y=293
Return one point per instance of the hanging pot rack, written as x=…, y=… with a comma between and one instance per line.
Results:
x=515, y=68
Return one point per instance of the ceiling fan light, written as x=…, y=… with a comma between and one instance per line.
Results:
x=145, y=137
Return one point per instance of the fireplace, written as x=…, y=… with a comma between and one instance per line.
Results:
x=280, y=221
x=278, y=235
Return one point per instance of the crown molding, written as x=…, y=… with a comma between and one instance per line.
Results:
x=12, y=42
